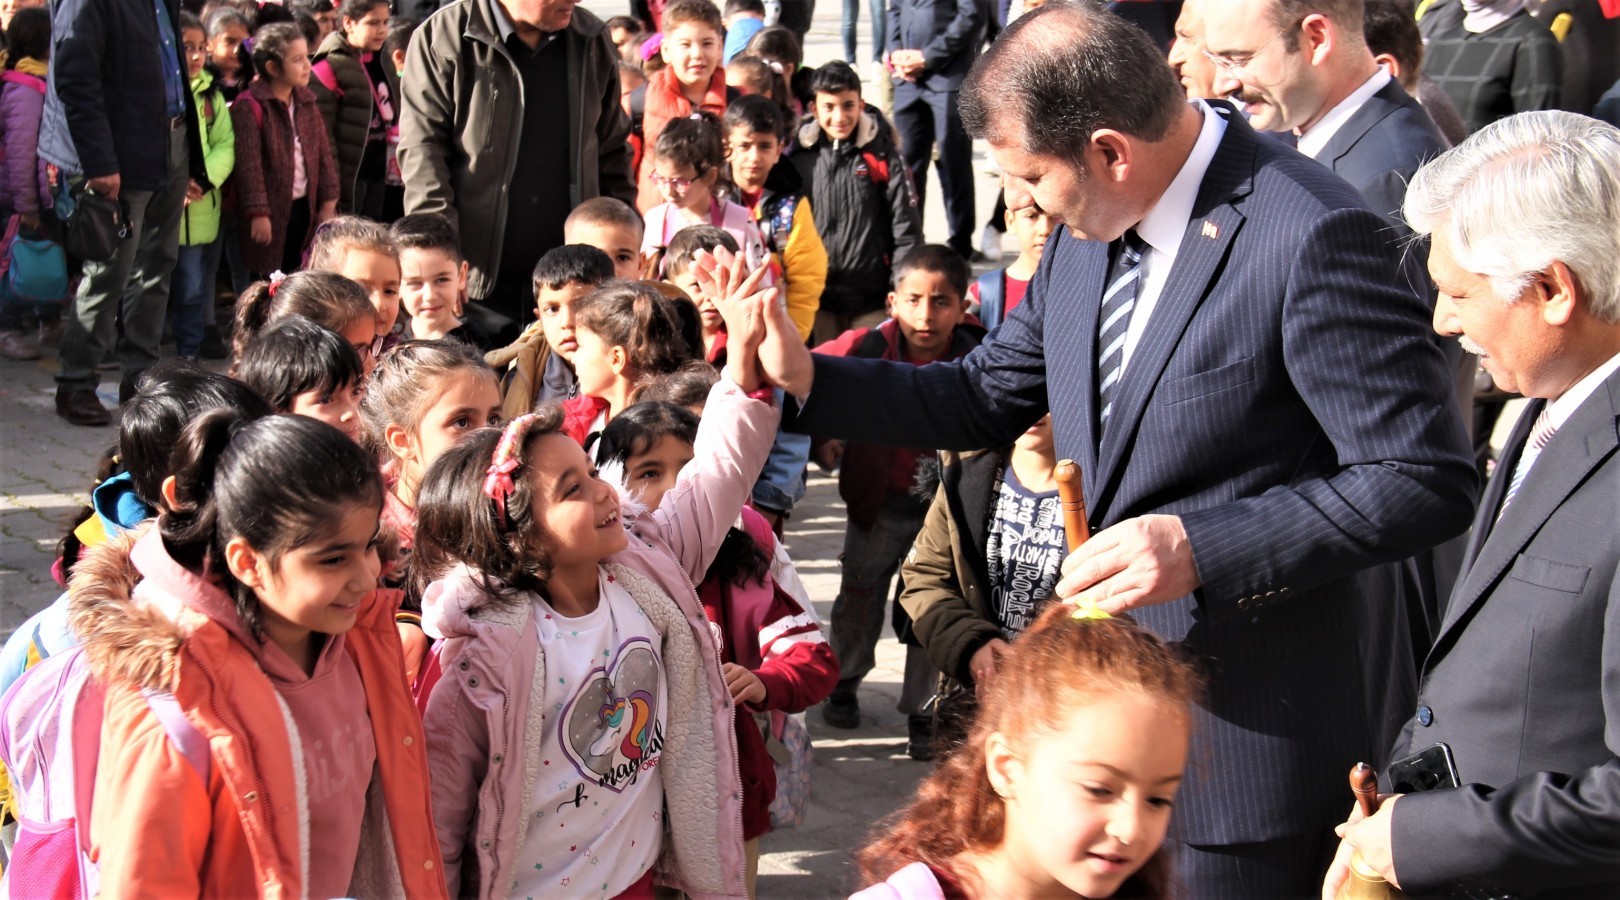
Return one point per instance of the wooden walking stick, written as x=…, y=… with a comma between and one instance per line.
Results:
x=1071, y=495
x=1364, y=882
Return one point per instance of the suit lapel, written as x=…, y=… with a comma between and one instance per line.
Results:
x=1210, y=231
x=1073, y=317
x=1485, y=517
x=1585, y=441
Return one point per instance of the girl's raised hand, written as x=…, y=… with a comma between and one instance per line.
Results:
x=723, y=278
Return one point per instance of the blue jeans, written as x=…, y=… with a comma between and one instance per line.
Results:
x=781, y=483
x=193, y=294
x=880, y=24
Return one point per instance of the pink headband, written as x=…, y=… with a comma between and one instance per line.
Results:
x=508, y=457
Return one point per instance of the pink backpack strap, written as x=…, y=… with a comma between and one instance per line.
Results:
x=88, y=711
x=192, y=744
x=324, y=74
x=757, y=528
x=13, y=76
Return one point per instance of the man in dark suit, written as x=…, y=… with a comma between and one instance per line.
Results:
x=1261, y=417
x=1523, y=683
x=1303, y=67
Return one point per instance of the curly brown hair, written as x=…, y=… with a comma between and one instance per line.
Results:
x=1058, y=665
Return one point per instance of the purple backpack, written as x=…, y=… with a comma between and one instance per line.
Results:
x=50, y=742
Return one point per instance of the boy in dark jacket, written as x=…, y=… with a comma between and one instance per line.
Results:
x=927, y=308
x=861, y=190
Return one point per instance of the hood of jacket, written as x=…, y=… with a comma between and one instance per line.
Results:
x=870, y=129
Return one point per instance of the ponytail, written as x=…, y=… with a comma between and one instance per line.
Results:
x=330, y=301
x=252, y=314
x=635, y=316
x=276, y=483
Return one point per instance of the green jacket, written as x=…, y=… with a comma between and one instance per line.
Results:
x=461, y=115
x=347, y=109
x=946, y=576
x=200, y=224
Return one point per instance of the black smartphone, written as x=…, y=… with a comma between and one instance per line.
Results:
x=1425, y=770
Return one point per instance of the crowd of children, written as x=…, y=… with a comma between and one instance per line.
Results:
x=456, y=615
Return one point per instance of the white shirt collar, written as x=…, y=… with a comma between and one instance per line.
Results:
x=1559, y=411
x=1311, y=142
x=1166, y=223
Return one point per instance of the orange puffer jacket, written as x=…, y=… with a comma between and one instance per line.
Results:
x=157, y=829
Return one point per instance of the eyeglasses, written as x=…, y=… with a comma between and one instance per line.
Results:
x=1235, y=64
x=370, y=350
x=678, y=185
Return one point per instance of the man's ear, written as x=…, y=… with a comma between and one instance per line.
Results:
x=1390, y=64
x=1113, y=152
x=1560, y=293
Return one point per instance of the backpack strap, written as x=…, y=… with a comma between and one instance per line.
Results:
x=192, y=744
x=992, y=297
x=638, y=108
x=88, y=710
x=12, y=76
x=755, y=526
x=252, y=103
x=324, y=74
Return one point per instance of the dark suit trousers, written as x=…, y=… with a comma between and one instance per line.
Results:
x=925, y=118
x=1287, y=868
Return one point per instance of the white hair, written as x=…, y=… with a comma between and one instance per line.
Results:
x=1524, y=192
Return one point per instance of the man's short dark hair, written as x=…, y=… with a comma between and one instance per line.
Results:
x=1287, y=14
x=936, y=259
x=744, y=6
x=835, y=77
x=425, y=231
x=689, y=240
x=1064, y=71
x=1390, y=28
x=572, y=264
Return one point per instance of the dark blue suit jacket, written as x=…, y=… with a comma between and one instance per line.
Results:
x=1288, y=402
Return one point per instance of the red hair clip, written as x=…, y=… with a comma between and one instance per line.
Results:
x=276, y=278
x=508, y=458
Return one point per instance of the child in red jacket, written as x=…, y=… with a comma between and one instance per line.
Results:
x=927, y=322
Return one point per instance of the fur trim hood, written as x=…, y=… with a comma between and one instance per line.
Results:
x=125, y=639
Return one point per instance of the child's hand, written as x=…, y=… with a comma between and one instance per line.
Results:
x=741, y=304
x=744, y=685
x=259, y=230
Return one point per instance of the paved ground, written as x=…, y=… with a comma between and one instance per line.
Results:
x=861, y=775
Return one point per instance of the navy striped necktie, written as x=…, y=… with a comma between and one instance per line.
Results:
x=1115, y=319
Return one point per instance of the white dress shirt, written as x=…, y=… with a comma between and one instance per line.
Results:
x=1559, y=411
x=1311, y=142
x=1166, y=224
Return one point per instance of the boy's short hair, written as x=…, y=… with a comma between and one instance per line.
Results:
x=572, y=264
x=689, y=240
x=835, y=77
x=400, y=29
x=682, y=12
x=939, y=260
x=425, y=231
x=1388, y=27
x=628, y=23
x=295, y=356
x=605, y=211
x=757, y=113
x=734, y=7
x=167, y=396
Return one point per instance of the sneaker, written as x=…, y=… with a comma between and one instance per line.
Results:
x=213, y=346
x=80, y=406
x=990, y=243
x=920, y=738
x=15, y=345
x=50, y=333
x=842, y=710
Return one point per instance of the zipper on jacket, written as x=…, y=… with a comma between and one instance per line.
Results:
x=260, y=786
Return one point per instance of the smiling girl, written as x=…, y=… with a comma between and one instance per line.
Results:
x=253, y=603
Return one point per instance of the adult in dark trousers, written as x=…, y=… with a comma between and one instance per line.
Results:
x=932, y=45
x=119, y=116
x=1264, y=422
x=1521, y=684
x=510, y=118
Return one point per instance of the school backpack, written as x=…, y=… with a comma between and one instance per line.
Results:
x=992, y=298
x=50, y=742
